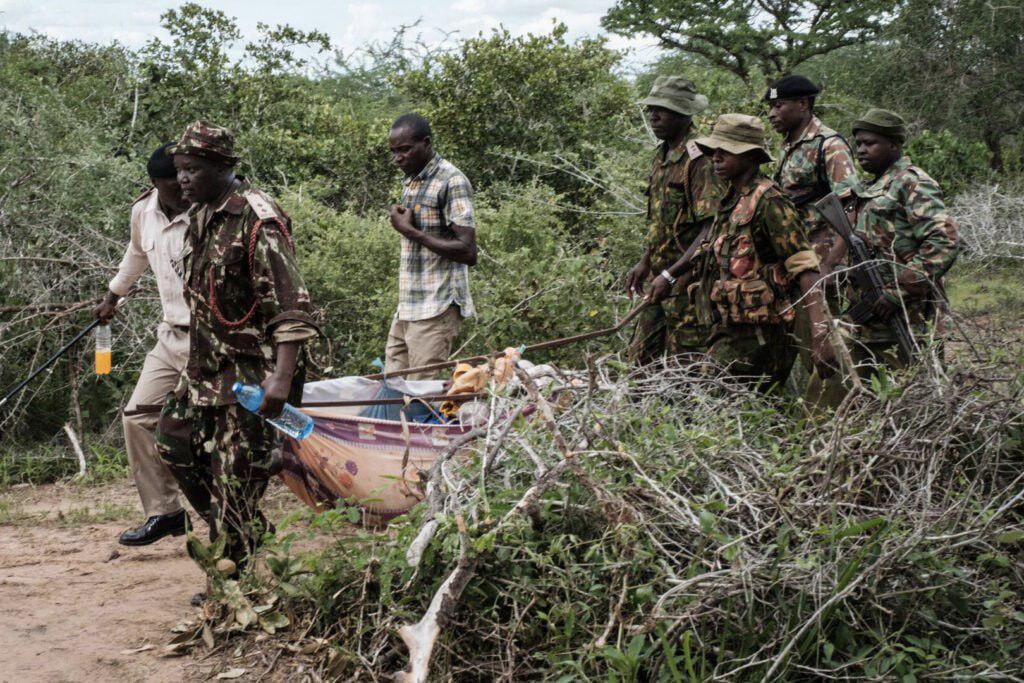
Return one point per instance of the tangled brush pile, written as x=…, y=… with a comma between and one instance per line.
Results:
x=668, y=526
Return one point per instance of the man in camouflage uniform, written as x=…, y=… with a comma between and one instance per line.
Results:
x=814, y=161
x=755, y=254
x=251, y=315
x=681, y=194
x=901, y=215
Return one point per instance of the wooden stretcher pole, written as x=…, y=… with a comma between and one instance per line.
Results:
x=541, y=346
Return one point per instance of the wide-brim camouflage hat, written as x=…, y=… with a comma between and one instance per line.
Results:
x=677, y=94
x=884, y=122
x=736, y=134
x=203, y=139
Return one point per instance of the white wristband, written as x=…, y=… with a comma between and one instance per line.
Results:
x=668, y=276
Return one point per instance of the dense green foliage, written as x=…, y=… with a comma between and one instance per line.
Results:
x=548, y=132
x=545, y=127
x=705, y=534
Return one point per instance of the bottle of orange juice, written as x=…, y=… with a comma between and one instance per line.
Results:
x=103, y=350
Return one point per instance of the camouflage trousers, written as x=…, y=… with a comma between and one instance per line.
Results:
x=221, y=457
x=664, y=330
x=763, y=353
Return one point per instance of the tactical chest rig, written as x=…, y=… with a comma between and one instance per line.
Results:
x=750, y=288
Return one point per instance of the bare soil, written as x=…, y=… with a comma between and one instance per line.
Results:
x=75, y=605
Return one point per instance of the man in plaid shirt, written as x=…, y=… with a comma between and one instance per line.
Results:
x=435, y=220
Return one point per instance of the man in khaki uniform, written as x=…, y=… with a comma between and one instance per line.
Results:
x=158, y=224
x=438, y=241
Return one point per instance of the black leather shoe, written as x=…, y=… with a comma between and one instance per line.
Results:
x=155, y=528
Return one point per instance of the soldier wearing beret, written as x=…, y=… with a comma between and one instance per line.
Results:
x=682, y=192
x=814, y=161
x=759, y=261
x=901, y=214
x=250, y=316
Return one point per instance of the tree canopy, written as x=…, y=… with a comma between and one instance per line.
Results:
x=766, y=37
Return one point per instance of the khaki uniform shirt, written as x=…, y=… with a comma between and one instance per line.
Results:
x=156, y=242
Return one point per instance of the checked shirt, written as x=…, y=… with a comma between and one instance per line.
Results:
x=439, y=196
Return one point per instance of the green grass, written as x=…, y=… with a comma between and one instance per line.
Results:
x=10, y=513
x=995, y=291
x=45, y=463
x=108, y=512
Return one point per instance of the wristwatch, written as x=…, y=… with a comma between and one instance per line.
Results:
x=668, y=276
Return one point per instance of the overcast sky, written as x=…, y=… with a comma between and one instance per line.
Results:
x=349, y=24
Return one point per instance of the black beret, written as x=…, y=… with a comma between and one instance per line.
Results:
x=791, y=87
x=161, y=163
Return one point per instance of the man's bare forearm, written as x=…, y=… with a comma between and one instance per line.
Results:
x=462, y=249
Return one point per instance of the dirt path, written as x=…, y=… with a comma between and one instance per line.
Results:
x=74, y=604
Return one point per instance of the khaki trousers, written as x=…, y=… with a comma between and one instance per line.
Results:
x=159, y=376
x=421, y=342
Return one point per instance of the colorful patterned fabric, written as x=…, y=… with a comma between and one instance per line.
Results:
x=439, y=196
x=374, y=464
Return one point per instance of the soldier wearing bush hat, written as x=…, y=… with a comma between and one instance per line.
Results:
x=682, y=192
x=250, y=317
x=886, y=123
x=208, y=141
x=900, y=212
x=814, y=160
x=759, y=261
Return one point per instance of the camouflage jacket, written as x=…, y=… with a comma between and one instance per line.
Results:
x=819, y=162
x=682, y=193
x=244, y=291
x=903, y=218
x=756, y=248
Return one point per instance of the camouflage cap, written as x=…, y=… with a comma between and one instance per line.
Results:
x=737, y=134
x=677, y=94
x=203, y=139
x=884, y=122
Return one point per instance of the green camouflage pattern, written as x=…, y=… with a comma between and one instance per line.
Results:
x=203, y=139
x=762, y=353
x=884, y=122
x=222, y=459
x=677, y=94
x=756, y=246
x=682, y=193
x=217, y=253
x=902, y=216
x=798, y=174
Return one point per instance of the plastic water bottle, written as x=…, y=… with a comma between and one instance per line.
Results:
x=102, y=358
x=291, y=421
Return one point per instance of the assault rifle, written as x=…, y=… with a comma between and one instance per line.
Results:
x=865, y=272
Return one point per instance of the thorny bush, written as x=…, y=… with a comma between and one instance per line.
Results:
x=694, y=531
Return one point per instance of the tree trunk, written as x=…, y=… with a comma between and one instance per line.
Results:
x=995, y=150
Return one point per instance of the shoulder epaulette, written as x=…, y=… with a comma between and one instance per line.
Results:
x=693, y=149
x=261, y=205
x=143, y=195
